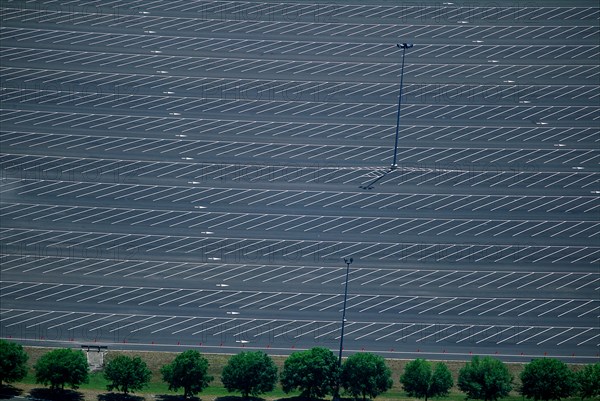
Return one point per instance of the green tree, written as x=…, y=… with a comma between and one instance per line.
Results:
x=588, y=381
x=13, y=362
x=314, y=372
x=366, y=374
x=189, y=371
x=127, y=374
x=250, y=373
x=547, y=379
x=485, y=379
x=421, y=381
x=62, y=367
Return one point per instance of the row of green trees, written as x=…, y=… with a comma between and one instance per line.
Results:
x=489, y=379
x=315, y=373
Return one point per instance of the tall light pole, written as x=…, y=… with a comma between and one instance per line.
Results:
x=402, y=46
x=348, y=261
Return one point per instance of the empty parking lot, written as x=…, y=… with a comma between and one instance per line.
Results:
x=180, y=174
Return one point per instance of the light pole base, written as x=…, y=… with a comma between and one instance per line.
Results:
x=393, y=167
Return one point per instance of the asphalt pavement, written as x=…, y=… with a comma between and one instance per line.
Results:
x=179, y=175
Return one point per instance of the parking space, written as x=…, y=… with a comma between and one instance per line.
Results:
x=316, y=49
x=119, y=171
x=265, y=333
x=177, y=150
x=231, y=222
x=354, y=111
x=544, y=283
x=68, y=87
x=193, y=174
x=163, y=65
x=450, y=307
x=366, y=133
x=192, y=150
x=315, y=19
x=206, y=246
x=272, y=198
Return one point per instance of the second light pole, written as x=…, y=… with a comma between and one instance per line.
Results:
x=348, y=262
x=402, y=46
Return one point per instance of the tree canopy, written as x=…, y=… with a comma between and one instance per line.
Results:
x=314, y=372
x=13, y=362
x=189, y=371
x=547, y=379
x=485, y=379
x=420, y=380
x=588, y=381
x=250, y=373
x=366, y=374
x=127, y=374
x=61, y=367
